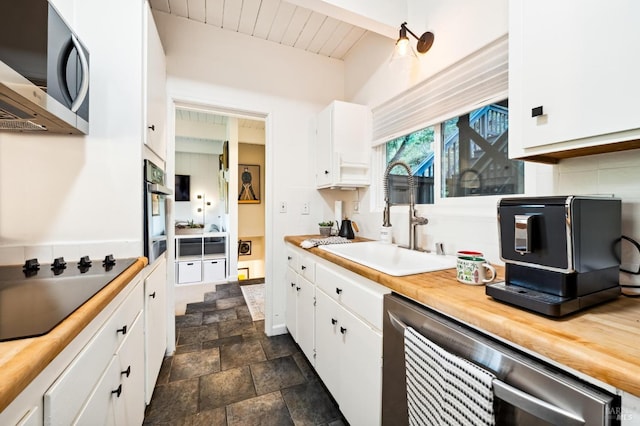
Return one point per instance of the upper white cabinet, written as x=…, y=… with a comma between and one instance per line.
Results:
x=156, y=96
x=343, y=146
x=573, y=84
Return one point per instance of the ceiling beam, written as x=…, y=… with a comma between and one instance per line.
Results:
x=379, y=16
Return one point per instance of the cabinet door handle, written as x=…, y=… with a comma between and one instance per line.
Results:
x=152, y=127
x=334, y=321
x=303, y=267
x=122, y=330
x=537, y=111
x=338, y=290
x=326, y=172
x=153, y=295
x=126, y=372
x=117, y=391
x=297, y=288
x=293, y=284
x=343, y=330
x=288, y=257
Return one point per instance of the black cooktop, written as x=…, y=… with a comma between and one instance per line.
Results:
x=34, y=298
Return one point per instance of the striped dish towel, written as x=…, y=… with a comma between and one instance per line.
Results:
x=444, y=389
x=314, y=242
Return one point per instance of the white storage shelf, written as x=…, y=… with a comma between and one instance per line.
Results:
x=201, y=258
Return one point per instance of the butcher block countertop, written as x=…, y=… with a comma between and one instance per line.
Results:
x=601, y=342
x=22, y=360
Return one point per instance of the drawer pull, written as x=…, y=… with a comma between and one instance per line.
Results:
x=334, y=321
x=297, y=288
x=117, y=391
x=126, y=372
x=122, y=330
x=537, y=111
x=153, y=295
x=326, y=172
x=338, y=290
x=293, y=284
x=343, y=330
x=303, y=267
x=152, y=127
x=288, y=257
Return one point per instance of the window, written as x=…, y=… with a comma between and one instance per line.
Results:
x=474, y=158
x=417, y=151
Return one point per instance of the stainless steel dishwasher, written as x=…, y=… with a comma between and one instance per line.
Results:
x=526, y=390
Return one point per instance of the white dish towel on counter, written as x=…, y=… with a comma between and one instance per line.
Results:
x=444, y=389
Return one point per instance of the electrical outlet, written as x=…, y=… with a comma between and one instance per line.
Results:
x=305, y=208
x=356, y=206
x=283, y=207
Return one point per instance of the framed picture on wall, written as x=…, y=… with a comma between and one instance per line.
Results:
x=248, y=184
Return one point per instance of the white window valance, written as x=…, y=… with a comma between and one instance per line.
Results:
x=476, y=80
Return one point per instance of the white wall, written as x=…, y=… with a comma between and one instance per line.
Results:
x=230, y=71
x=71, y=196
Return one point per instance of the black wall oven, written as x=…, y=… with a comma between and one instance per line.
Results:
x=155, y=211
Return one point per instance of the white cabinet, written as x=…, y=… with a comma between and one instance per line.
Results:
x=118, y=398
x=202, y=258
x=349, y=361
x=121, y=335
x=336, y=315
x=572, y=86
x=343, y=146
x=155, y=88
x=155, y=324
x=300, y=300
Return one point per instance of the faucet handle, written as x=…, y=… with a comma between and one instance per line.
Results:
x=440, y=248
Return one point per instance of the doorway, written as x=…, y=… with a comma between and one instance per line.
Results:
x=210, y=146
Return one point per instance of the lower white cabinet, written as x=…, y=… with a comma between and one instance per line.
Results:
x=300, y=300
x=349, y=361
x=335, y=316
x=155, y=324
x=64, y=400
x=118, y=398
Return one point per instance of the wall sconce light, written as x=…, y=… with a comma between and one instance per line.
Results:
x=403, y=48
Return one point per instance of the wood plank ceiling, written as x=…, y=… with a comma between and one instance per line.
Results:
x=273, y=20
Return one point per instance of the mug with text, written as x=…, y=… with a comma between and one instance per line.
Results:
x=474, y=270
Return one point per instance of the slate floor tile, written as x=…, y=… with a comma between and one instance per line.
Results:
x=309, y=404
x=219, y=315
x=277, y=346
x=189, y=320
x=197, y=334
x=236, y=327
x=195, y=364
x=239, y=354
x=305, y=367
x=226, y=387
x=264, y=410
x=215, y=417
x=230, y=302
x=172, y=402
x=222, y=342
x=200, y=307
x=276, y=374
x=212, y=296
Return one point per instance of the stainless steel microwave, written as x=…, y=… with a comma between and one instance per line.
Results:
x=44, y=71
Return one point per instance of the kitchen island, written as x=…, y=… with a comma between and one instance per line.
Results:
x=21, y=361
x=600, y=342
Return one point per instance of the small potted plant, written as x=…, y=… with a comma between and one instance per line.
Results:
x=325, y=228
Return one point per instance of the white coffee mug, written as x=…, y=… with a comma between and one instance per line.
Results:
x=474, y=270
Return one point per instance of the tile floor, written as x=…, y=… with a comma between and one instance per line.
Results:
x=226, y=371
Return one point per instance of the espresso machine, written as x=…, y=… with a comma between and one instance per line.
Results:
x=561, y=253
